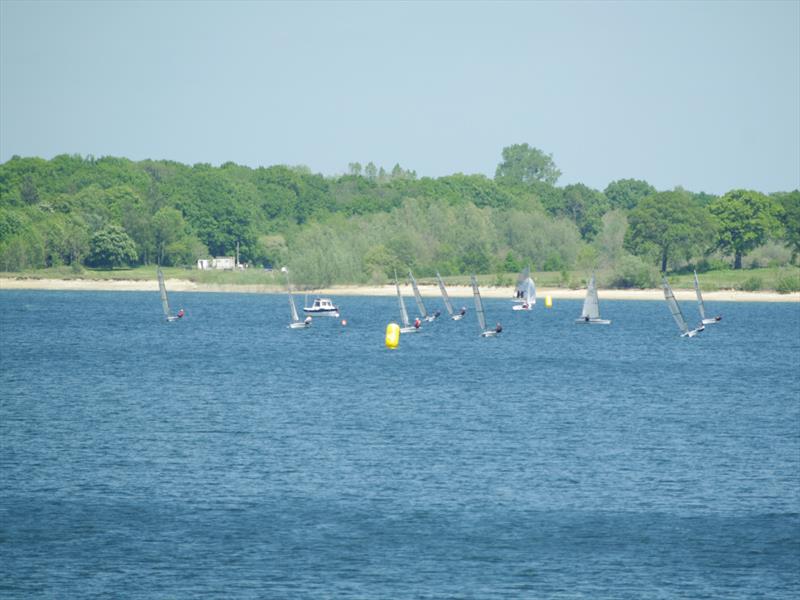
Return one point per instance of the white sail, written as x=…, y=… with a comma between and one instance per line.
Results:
x=445, y=297
x=591, y=306
x=529, y=291
x=522, y=283
x=403, y=313
x=478, y=304
x=162, y=288
x=674, y=308
x=296, y=322
x=295, y=316
x=700, y=303
x=423, y=313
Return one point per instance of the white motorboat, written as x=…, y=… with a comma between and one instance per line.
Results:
x=322, y=307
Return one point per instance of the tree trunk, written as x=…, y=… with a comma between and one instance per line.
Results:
x=737, y=260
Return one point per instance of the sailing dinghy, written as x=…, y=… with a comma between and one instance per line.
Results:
x=296, y=322
x=479, y=311
x=591, y=307
x=525, y=295
x=162, y=288
x=701, y=305
x=676, y=312
x=418, y=297
x=406, y=327
x=447, y=304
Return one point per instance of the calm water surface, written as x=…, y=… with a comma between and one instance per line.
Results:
x=228, y=456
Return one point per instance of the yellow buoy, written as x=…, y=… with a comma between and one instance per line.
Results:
x=548, y=302
x=392, y=335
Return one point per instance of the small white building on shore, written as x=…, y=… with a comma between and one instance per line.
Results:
x=221, y=263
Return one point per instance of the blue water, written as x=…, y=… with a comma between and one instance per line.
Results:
x=228, y=456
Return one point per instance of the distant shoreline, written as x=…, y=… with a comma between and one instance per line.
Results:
x=456, y=291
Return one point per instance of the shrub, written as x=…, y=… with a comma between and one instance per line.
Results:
x=632, y=272
x=787, y=283
x=751, y=284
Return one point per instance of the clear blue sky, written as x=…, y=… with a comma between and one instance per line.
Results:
x=705, y=95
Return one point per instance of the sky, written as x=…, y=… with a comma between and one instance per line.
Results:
x=702, y=95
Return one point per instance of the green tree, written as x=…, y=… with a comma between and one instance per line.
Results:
x=584, y=207
x=790, y=218
x=168, y=228
x=746, y=219
x=111, y=248
x=611, y=239
x=524, y=164
x=667, y=223
x=627, y=193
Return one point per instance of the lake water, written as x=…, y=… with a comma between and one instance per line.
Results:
x=228, y=456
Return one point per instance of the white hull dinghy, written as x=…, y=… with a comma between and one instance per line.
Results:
x=677, y=314
x=446, y=299
x=296, y=322
x=701, y=305
x=481, y=316
x=591, y=307
x=525, y=295
x=162, y=289
x=420, y=305
x=406, y=326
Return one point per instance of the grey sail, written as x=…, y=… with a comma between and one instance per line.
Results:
x=478, y=304
x=403, y=313
x=162, y=288
x=445, y=297
x=418, y=297
x=700, y=303
x=591, y=306
x=674, y=308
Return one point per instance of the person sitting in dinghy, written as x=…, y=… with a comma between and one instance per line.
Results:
x=417, y=323
x=181, y=313
x=307, y=320
x=463, y=311
x=498, y=328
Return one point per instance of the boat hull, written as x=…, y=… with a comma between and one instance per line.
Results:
x=489, y=334
x=457, y=317
x=321, y=313
x=409, y=329
x=593, y=321
x=712, y=321
x=522, y=307
x=300, y=325
x=693, y=332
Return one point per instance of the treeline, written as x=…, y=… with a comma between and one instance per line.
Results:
x=361, y=226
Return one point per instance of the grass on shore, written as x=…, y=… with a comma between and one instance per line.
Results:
x=781, y=279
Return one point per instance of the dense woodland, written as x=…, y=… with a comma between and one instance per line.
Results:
x=359, y=227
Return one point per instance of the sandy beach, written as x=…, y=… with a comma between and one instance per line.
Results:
x=183, y=285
